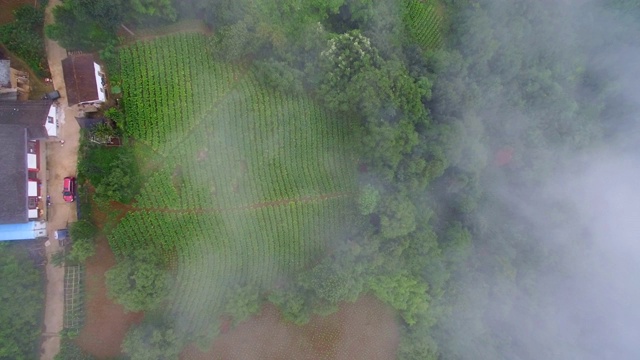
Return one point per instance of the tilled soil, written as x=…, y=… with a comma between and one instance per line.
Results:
x=106, y=322
x=366, y=329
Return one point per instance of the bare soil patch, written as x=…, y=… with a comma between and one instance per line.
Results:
x=106, y=322
x=366, y=329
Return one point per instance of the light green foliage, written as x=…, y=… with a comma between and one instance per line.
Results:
x=159, y=192
x=405, y=293
x=369, y=197
x=138, y=282
x=242, y=302
x=81, y=249
x=292, y=304
x=417, y=344
x=102, y=133
x=252, y=185
x=155, y=8
x=457, y=244
x=149, y=341
x=423, y=22
x=22, y=296
x=350, y=63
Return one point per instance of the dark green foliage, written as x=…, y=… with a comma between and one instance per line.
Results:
x=279, y=76
x=91, y=25
x=22, y=296
x=70, y=351
x=58, y=258
x=113, y=172
x=151, y=341
x=139, y=282
x=236, y=41
x=24, y=38
x=85, y=25
x=111, y=59
x=82, y=229
x=155, y=8
x=350, y=63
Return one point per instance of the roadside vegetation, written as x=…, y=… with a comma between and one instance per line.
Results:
x=22, y=295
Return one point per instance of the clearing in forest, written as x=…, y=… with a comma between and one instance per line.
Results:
x=229, y=145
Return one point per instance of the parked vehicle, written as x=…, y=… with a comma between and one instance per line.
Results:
x=61, y=235
x=69, y=189
x=53, y=95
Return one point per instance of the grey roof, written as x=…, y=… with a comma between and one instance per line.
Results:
x=7, y=94
x=5, y=73
x=14, y=172
x=89, y=123
x=31, y=114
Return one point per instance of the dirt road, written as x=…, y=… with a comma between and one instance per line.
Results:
x=61, y=162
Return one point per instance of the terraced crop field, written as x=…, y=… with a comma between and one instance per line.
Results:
x=253, y=184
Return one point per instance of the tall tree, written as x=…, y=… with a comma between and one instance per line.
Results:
x=139, y=282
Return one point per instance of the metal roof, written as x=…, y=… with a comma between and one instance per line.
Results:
x=13, y=174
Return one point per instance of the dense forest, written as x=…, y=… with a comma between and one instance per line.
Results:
x=467, y=131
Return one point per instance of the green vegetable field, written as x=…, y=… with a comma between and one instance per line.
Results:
x=423, y=23
x=252, y=184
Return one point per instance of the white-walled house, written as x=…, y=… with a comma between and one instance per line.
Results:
x=19, y=183
x=23, y=127
x=84, y=80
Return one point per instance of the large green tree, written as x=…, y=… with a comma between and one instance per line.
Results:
x=139, y=282
x=91, y=25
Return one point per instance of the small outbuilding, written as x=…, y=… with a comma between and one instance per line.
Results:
x=84, y=80
x=8, y=91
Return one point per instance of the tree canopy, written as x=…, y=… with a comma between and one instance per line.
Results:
x=139, y=282
x=22, y=296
